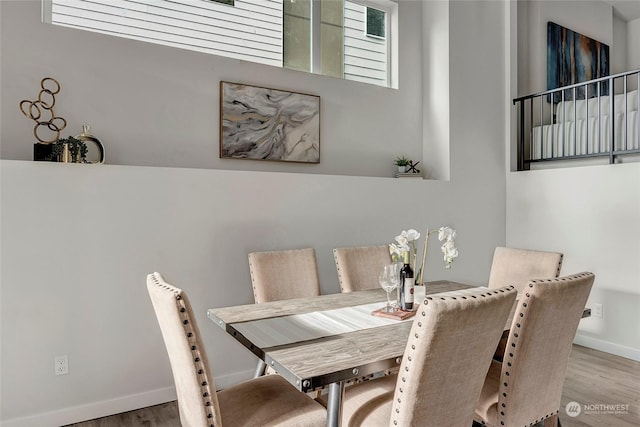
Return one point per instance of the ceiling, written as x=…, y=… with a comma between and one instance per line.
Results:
x=629, y=10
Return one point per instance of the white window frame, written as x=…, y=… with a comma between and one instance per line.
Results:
x=390, y=8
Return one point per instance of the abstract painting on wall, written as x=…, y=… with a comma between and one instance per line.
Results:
x=574, y=58
x=268, y=124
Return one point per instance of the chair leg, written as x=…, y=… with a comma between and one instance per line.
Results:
x=260, y=369
x=552, y=421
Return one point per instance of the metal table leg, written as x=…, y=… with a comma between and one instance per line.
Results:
x=334, y=404
x=260, y=369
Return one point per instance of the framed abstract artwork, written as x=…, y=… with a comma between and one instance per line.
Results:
x=574, y=58
x=268, y=124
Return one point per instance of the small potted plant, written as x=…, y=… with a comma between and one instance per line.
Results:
x=402, y=162
x=68, y=150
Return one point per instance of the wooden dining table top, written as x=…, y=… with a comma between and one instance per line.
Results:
x=315, y=363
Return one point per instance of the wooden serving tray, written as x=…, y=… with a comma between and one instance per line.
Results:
x=398, y=314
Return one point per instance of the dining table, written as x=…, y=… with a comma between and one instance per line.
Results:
x=325, y=342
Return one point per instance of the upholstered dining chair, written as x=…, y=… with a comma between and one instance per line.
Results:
x=358, y=266
x=512, y=266
x=281, y=275
x=526, y=387
x=286, y=274
x=443, y=367
x=264, y=401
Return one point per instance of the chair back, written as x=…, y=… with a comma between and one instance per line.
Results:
x=281, y=275
x=537, y=354
x=447, y=357
x=358, y=267
x=197, y=399
x=517, y=267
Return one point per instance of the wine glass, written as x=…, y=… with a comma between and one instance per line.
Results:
x=389, y=279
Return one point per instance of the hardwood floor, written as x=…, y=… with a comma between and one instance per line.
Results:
x=599, y=382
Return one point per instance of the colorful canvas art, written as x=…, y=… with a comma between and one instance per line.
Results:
x=574, y=58
x=267, y=124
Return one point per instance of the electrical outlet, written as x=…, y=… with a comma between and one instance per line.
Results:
x=61, y=365
x=597, y=310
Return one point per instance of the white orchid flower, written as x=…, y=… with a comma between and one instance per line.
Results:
x=402, y=241
x=446, y=233
x=450, y=252
x=395, y=249
x=407, y=242
x=411, y=235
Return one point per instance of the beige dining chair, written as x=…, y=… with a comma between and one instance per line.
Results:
x=358, y=266
x=286, y=274
x=444, y=364
x=264, y=401
x=512, y=266
x=282, y=275
x=526, y=387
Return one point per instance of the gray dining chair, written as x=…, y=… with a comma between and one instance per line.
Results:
x=358, y=266
x=444, y=364
x=265, y=401
x=526, y=387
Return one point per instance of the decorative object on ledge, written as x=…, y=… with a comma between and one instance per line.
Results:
x=86, y=137
x=268, y=124
x=408, y=175
x=47, y=125
x=406, y=168
x=68, y=150
x=412, y=167
x=574, y=58
x=401, y=162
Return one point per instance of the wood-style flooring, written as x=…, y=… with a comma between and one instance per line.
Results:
x=603, y=382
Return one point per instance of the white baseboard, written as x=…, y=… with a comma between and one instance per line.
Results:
x=608, y=347
x=104, y=408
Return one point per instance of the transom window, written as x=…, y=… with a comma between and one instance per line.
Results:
x=341, y=38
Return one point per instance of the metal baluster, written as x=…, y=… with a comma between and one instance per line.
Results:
x=542, y=144
x=575, y=124
x=586, y=119
x=531, y=140
x=612, y=119
x=599, y=119
x=626, y=119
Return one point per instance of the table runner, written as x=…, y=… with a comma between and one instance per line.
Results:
x=276, y=331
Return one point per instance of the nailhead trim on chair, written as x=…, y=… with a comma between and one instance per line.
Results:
x=197, y=357
x=253, y=283
x=423, y=313
x=335, y=258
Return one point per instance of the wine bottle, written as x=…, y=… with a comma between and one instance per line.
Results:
x=406, y=284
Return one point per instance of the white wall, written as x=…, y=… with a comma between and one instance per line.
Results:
x=633, y=48
x=77, y=240
x=590, y=213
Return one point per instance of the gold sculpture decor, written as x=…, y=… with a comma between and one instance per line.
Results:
x=41, y=111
